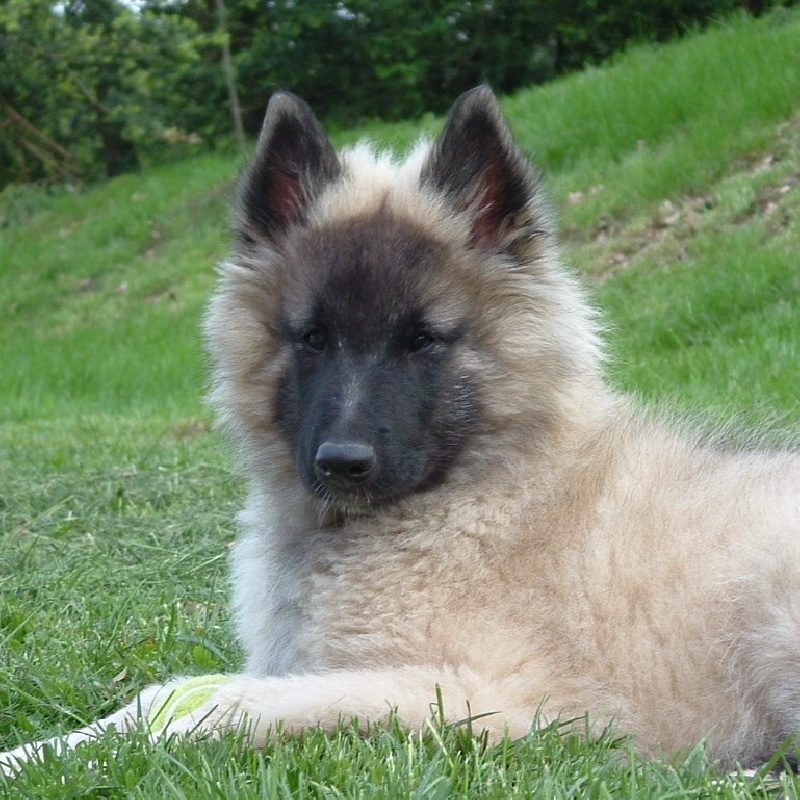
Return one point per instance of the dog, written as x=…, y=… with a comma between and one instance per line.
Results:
x=445, y=494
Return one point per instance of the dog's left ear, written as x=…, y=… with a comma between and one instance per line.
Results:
x=480, y=170
x=293, y=162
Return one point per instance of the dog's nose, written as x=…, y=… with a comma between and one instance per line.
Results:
x=344, y=464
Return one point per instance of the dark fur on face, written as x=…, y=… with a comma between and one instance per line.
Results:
x=373, y=402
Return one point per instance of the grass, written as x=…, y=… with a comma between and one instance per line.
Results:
x=391, y=763
x=99, y=282
x=676, y=174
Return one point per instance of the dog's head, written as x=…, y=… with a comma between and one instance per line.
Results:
x=376, y=314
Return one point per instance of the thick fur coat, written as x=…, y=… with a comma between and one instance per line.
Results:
x=445, y=492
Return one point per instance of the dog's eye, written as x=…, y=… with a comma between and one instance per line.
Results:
x=313, y=341
x=421, y=340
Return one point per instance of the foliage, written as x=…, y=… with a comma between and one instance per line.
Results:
x=389, y=59
x=368, y=59
x=593, y=30
x=90, y=88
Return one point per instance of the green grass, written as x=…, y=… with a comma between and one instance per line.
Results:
x=676, y=174
x=103, y=292
x=442, y=763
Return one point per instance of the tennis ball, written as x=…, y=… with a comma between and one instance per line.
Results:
x=183, y=699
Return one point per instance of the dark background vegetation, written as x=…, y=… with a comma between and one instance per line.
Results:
x=94, y=88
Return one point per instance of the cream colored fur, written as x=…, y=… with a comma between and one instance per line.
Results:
x=580, y=554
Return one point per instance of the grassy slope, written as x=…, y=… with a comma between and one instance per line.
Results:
x=675, y=172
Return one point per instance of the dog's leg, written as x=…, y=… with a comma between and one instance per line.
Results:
x=257, y=705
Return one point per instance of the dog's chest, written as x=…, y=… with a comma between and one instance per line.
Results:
x=376, y=601
x=334, y=602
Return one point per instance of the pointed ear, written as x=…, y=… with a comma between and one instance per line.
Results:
x=480, y=170
x=293, y=162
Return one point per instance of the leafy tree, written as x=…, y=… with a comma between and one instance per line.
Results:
x=102, y=82
x=94, y=87
x=592, y=30
x=386, y=58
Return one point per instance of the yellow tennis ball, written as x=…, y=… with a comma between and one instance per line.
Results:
x=183, y=699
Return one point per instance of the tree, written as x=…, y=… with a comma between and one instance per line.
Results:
x=96, y=87
x=94, y=77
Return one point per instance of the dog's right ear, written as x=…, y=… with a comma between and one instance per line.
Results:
x=477, y=166
x=293, y=162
